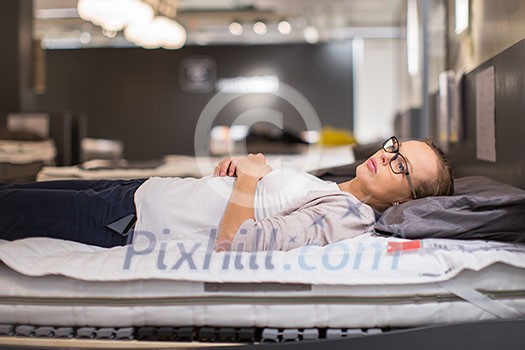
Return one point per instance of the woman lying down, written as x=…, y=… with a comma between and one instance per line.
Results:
x=244, y=205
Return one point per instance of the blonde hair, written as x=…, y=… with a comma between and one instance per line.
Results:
x=443, y=184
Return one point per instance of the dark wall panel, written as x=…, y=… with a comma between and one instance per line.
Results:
x=16, y=31
x=509, y=70
x=135, y=95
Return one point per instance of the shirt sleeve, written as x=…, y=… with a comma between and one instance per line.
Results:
x=318, y=221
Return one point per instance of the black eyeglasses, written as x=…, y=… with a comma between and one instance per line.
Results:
x=398, y=163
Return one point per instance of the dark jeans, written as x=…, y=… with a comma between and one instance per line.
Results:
x=75, y=210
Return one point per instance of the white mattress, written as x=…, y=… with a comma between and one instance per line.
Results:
x=351, y=284
x=179, y=165
x=24, y=152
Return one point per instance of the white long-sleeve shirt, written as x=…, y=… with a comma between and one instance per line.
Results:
x=190, y=208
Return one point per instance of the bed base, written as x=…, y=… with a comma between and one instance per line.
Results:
x=186, y=334
x=505, y=334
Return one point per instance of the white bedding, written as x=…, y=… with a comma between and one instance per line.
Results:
x=66, y=283
x=24, y=152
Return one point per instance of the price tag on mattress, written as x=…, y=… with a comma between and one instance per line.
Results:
x=449, y=244
x=402, y=246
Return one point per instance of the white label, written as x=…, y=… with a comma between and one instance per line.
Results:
x=485, y=116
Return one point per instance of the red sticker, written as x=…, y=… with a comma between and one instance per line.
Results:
x=401, y=246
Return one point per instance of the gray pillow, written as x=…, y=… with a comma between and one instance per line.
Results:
x=480, y=208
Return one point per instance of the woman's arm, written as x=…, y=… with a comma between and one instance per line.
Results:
x=238, y=210
x=318, y=218
x=249, y=171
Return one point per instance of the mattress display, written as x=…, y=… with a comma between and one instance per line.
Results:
x=24, y=152
x=20, y=161
x=369, y=281
x=180, y=165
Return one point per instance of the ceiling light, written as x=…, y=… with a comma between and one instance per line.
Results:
x=85, y=38
x=259, y=28
x=412, y=38
x=109, y=33
x=246, y=85
x=311, y=35
x=462, y=16
x=235, y=28
x=174, y=35
x=114, y=15
x=284, y=27
x=161, y=32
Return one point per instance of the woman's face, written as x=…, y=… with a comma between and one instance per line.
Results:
x=383, y=185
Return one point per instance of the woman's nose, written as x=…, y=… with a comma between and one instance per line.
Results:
x=384, y=158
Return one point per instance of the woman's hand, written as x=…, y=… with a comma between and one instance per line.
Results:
x=253, y=165
x=226, y=167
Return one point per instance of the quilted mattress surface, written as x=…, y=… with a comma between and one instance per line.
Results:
x=368, y=281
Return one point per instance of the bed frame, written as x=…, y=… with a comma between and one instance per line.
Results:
x=495, y=334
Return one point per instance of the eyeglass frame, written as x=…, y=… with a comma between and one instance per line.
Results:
x=396, y=142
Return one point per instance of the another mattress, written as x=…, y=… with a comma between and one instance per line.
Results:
x=179, y=165
x=25, y=152
x=368, y=281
